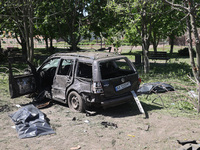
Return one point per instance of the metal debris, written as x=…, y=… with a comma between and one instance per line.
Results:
x=106, y=124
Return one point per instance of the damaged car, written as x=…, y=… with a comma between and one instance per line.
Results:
x=81, y=80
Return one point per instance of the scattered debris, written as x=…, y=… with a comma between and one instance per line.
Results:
x=147, y=127
x=30, y=122
x=18, y=106
x=187, y=142
x=137, y=102
x=189, y=145
x=87, y=121
x=131, y=135
x=155, y=87
x=74, y=119
x=76, y=148
x=13, y=127
x=106, y=124
x=43, y=105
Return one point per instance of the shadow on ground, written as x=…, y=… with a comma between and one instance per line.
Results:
x=126, y=110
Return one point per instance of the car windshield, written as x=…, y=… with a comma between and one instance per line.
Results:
x=115, y=68
x=51, y=63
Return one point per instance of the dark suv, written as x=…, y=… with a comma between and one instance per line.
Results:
x=80, y=79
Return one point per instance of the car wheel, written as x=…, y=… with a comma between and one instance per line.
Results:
x=75, y=102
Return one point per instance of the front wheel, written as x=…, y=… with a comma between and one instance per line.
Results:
x=75, y=102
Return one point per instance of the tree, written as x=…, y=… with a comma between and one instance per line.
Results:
x=167, y=23
x=72, y=21
x=46, y=21
x=174, y=26
x=142, y=14
x=103, y=21
x=21, y=14
x=132, y=36
x=190, y=7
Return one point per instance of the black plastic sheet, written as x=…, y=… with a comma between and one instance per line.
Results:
x=30, y=122
x=155, y=87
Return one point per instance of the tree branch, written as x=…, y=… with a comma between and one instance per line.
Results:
x=176, y=6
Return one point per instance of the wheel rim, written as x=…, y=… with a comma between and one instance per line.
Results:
x=74, y=102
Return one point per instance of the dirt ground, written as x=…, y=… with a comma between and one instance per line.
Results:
x=78, y=131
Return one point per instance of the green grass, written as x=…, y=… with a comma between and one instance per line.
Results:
x=175, y=73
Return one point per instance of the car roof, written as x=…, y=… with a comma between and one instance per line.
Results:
x=97, y=55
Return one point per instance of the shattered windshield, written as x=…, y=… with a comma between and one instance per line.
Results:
x=51, y=63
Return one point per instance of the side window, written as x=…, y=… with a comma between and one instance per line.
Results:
x=65, y=67
x=53, y=63
x=84, y=70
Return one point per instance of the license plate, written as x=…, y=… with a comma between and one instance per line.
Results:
x=122, y=86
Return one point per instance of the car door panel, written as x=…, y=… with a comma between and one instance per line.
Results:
x=20, y=85
x=63, y=78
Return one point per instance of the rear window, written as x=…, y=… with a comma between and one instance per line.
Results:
x=115, y=68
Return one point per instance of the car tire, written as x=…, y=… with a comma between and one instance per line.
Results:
x=75, y=102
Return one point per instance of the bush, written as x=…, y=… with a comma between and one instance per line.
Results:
x=2, y=57
x=185, y=52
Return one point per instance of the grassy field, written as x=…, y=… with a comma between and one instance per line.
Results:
x=175, y=73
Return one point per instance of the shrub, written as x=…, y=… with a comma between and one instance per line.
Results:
x=185, y=52
x=2, y=57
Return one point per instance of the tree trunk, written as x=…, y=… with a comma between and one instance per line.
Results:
x=171, y=44
x=145, y=49
x=31, y=32
x=154, y=47
x=155, y=41
x=197, y=43
x=46, y=42
x=146, y=32
x=51, y=43
x=23, y=45
x=101, y=41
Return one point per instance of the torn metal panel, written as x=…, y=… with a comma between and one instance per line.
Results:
x=155, y=87
x=138, y=102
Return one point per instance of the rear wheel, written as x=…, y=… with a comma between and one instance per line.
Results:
x=75, y=102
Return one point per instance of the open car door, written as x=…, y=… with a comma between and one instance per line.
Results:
x=20, y=85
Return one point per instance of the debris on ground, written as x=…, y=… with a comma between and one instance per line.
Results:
x=189, y=145
x=43, y=105
x=155, y=87
x=187, y=142
x=30, y=122
x=137, y=102
x=87, y=121
x=131, y=135
x=18, y=106
x=106, y=124
x=74, y=119
x=76, y=148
